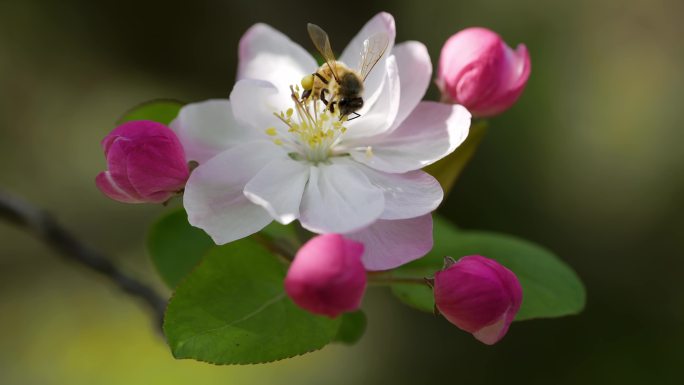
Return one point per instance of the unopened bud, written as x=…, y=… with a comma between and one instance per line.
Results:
x=145, y=163
x=478, y=295
x=327, y=276
x=478, y=70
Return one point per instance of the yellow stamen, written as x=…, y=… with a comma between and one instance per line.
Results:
x=314, y=129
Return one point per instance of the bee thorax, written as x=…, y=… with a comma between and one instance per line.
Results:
x=351, y=84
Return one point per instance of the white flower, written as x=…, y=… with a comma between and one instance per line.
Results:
x=263, y=158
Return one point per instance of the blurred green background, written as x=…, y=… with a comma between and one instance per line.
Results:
x=588, y=163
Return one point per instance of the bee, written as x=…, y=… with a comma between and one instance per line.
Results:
x=335, y=84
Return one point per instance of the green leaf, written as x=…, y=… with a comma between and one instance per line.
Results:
x=417, y=296
x=176, y=247
x=550, y=287
x=448, y=169
x=352, y=328
x=161, y=111
x=284, y=236
x=279, y=231
x=232, y=309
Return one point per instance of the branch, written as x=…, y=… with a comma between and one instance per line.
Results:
x=41, y=225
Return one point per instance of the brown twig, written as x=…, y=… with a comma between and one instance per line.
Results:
x=41, y=225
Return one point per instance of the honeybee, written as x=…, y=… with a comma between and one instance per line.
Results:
x=334, y=83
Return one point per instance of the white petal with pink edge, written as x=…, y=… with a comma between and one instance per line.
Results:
x=266, y=53
x=339, y=198
x=209, y=127
x=214, y=197
x=431, y=132
x=278, y=188
x=415, y=72
x=407, y=195
x=392, y=243
x=255, y=101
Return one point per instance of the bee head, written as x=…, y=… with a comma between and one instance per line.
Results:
x=349, y=105
x=350, y=93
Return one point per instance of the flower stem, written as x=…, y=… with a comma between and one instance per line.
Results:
x=279, y=249
x=46, y=229
x=303, y=235
x=390, y=280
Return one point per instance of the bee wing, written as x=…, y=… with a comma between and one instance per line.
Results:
x=322, y=44
x=373, y=49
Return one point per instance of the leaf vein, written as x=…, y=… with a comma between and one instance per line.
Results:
x=258, y=310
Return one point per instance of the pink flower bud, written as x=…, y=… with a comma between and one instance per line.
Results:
x=478, y=295
x=327, y=276
x=145, y=163
x=478, y=70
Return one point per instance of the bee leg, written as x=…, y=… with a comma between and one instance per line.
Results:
x=306, y=94
x=330, y=105
x=356, y=115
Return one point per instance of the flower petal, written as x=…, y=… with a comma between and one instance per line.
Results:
x=109, y=187
x=278, y=188
x=471, y=66
x=415, y=71
x=383, y=22
x=431, y=132
x=213, y=195
x=156, y=167
x=268, y=54
x=115, y=151
x=377, y=118
x=209, y=127
x=393, y=243
x=478, y=295
x=495, y=332
x=339, y=198
x=407, y=195
x=255, y=101
x=518, y=74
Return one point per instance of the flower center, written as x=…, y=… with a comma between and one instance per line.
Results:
x=313, y=130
